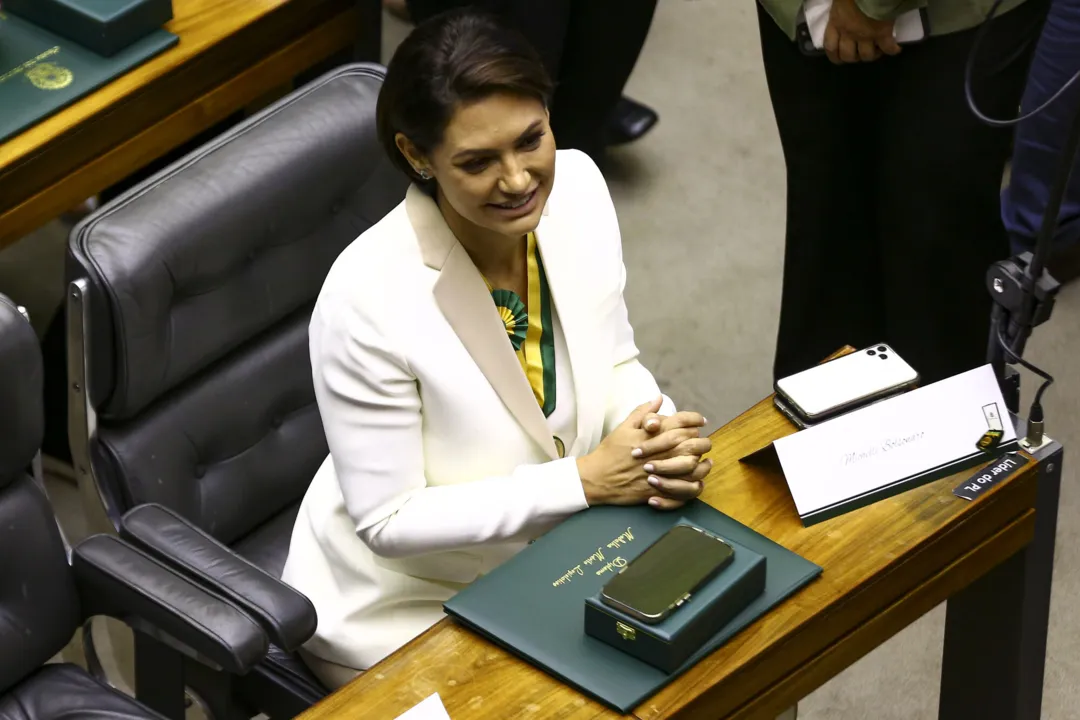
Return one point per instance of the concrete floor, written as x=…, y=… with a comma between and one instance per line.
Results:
x=701, y=202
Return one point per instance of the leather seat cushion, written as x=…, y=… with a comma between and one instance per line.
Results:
x=233, y=447
x=67, y=691
x=268, y=545
x=20, y=392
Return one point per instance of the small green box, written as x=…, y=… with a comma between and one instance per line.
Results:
x=102, y=26
x=668, y=643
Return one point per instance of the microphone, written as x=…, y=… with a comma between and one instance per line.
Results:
x=1022, y=301
x=1022, y=290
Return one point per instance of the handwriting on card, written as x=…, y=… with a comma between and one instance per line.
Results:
x=598, y=562
x=885, y=446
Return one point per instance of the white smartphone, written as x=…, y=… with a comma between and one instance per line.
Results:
x=803, y=424
x=846, y=382
x=791, y=414
x=909, y=27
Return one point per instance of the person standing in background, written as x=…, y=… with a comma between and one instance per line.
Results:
x=589, y=49
x=893, y=184
x=1040, y=140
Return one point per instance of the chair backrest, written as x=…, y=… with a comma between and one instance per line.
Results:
x=200, y=283
x=39, y=608
x=21, y=409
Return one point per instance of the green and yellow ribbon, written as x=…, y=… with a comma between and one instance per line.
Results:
x=531, y=333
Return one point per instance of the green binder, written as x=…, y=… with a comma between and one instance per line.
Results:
x=102, y=26
x=41, y=73
x=534, y=604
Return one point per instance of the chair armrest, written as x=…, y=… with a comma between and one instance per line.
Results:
x=287, y=616
x=118, y=580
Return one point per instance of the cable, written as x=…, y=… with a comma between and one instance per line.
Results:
x=1035, y=414
x=1047, y=377
x=970, y=66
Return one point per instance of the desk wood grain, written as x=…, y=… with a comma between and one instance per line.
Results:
x=884, y=566
x=230, y=52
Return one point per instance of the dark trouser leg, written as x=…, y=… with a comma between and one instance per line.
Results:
x=369, y=38
x=1040, y=140
x=421, y=10
x=542, y=23
x=938, y=174
x=603, y=41
x=831, y=287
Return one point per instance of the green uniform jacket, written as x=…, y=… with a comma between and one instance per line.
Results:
x=946, y=16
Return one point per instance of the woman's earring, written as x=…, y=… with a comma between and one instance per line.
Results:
x=424, y=174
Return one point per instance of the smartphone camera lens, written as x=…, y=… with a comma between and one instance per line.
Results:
x=871, y=352
x=882, y=348
x=883, y=356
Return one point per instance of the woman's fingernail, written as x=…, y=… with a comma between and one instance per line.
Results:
x=704, y=420
x=655, y=502
x=636, y=452
x=654, y=481
x=649, y=467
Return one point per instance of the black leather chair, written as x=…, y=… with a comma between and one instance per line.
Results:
x=44, y=599
x=188, y=306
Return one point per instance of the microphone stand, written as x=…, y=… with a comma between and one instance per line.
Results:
x=1023, y=294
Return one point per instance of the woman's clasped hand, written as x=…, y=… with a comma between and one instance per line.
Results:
x=648, y=458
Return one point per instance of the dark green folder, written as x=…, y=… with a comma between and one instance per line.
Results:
x=534, y=604
x=102, y=26
x=41, y=73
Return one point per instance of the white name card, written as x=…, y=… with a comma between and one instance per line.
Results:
x=431, y=708
x=894, y=445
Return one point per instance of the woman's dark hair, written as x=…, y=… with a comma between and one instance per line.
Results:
x=456, y=57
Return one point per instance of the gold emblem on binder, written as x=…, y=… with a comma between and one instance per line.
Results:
x=48, y=76
x=30, y=64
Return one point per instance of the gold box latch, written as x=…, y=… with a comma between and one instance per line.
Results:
x=627, y=632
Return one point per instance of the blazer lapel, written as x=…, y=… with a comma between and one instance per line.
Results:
x=464, y=300
x=571, y=303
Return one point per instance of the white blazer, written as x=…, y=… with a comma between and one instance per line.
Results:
x=441, y=461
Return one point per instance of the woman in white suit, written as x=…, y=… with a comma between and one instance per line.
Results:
x=473, y=362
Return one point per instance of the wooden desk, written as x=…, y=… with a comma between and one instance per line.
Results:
x=231, y=52
x=884, y=566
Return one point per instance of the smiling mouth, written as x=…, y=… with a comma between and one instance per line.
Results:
x=515, y=204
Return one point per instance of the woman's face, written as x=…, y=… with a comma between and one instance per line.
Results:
x=496, y=164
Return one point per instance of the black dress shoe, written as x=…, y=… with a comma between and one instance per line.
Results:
x=629, y=121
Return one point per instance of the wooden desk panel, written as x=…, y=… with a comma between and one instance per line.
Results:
x=849, y=648
x=474, y=678
x=230, y=52
x=884, y=566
